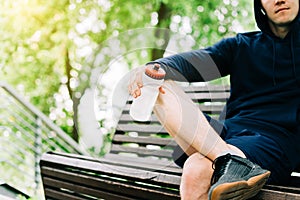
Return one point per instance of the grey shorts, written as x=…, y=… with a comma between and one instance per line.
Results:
x=258, y=148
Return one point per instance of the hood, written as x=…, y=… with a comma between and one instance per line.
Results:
x=261, y=17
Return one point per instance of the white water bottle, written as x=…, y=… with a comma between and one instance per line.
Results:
x=142, y=106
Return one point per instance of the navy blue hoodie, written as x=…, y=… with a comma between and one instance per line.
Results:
x=264, y=76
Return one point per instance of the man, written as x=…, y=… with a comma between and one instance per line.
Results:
x=260, y=135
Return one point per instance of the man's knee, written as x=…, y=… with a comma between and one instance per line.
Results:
x=195, y=182
x=197, y=164
x=197, y=168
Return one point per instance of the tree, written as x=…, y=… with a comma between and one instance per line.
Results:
x=35, y=36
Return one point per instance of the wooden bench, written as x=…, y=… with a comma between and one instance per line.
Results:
x=139, y=164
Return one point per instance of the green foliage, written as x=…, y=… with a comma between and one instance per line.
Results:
x=32, y=50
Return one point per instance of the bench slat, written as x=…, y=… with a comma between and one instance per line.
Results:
x=204, y=96
x=159, y=165
x=266, y=194
x=209, y=97
x=144, y=140
x=207, y=108
x=141, y=151
x=74, y=189
x=117, y=170
x=290, y=189
x=54, y=194
x=141, y=128
x=206, y=88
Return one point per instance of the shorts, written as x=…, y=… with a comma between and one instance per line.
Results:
x=258, y=148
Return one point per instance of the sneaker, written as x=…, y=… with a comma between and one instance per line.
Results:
x=235, y=177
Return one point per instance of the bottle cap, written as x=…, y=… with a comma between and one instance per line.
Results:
x=155, y=71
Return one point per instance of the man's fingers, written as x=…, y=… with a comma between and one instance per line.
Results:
x=135, y=89
x=137, y=93
x=135, y=82
x=162, y=90
x=139, y=84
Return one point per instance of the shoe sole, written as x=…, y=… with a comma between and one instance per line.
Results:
x=241, y=189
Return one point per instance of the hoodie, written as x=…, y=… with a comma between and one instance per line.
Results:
x=264, y=77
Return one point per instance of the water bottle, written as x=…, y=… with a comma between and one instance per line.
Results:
x=142, y=106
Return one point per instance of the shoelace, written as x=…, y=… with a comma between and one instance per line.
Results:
x=219, y=165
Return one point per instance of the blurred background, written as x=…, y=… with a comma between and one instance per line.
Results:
x=60, y=62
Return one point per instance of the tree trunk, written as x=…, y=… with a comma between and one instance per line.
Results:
x=75, y=100
x=164, y=20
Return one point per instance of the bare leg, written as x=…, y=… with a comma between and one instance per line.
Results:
x=187, y=124
x=191, y=130
x=195, y=181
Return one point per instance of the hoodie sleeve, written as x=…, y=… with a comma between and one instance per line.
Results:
x=200, y=65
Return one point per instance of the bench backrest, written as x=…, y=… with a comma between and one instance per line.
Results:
x=150, y=138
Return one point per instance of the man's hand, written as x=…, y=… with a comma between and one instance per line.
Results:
x=136, y=82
